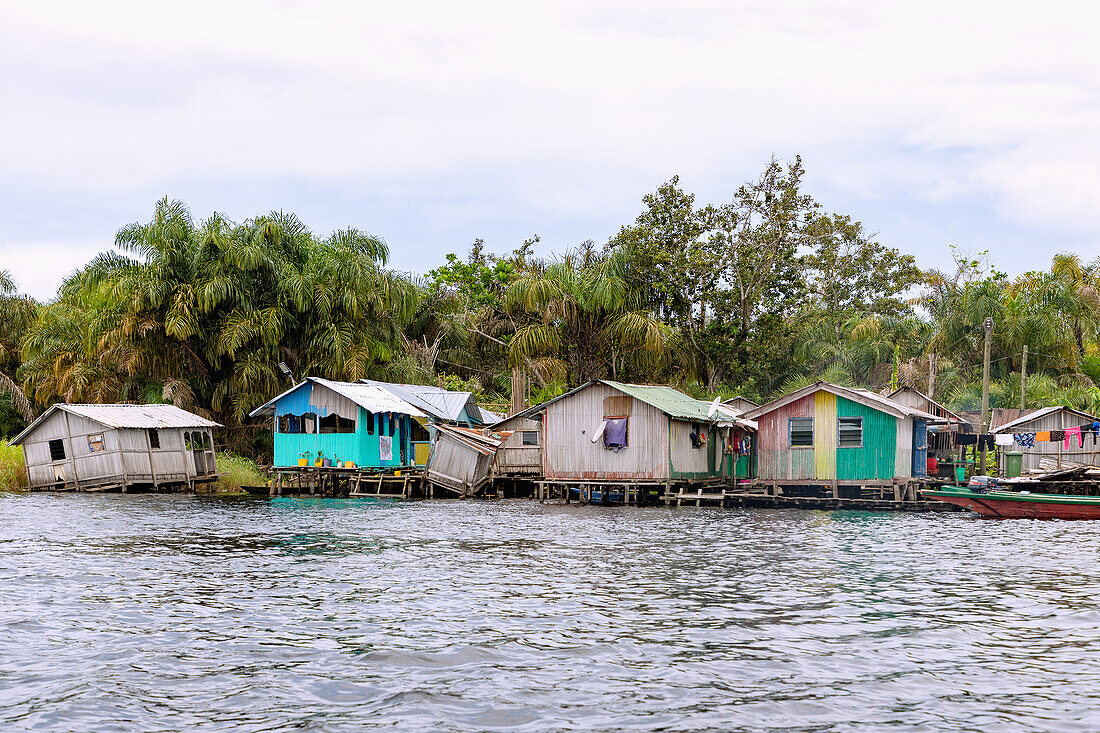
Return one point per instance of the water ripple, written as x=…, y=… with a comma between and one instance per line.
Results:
x=168, y=612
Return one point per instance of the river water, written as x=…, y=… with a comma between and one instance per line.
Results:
x=184, y=613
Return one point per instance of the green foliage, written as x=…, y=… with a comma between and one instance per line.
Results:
x=759, y=294
x=13, y=469
x=237, y=472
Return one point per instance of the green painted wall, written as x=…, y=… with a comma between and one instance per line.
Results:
x=875, y=460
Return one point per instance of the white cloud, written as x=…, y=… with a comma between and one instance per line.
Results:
x=573, y=107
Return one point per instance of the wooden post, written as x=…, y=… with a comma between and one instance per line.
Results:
x=931, y=375
x=985, y=389
x=1023, y=379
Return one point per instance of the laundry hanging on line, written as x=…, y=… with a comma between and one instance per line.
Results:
x=1004, y=439
x=1026, y=440
x=1075, y=433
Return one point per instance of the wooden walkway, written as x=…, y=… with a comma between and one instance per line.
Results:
x=346, y=482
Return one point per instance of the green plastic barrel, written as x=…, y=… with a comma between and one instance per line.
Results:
x=960, y=473
x=1014, y=463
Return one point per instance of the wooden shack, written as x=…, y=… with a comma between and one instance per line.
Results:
x=461, y=460
x=1046, y=457
x=343, y=423
x=825, y=434
x=740, y=404
x=440, y=406
x=521, y=455
x=913, y=397
x=661, y=435
x=123, y=447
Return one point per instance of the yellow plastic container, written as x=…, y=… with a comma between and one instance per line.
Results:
x=349, y=464
x=302, y=462
x=319, y=462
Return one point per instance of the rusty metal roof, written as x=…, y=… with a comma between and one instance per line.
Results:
x=122, y=416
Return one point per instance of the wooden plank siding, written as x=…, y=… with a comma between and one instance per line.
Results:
x=877, y=459
x=825, y=425
x=1088, y=455
x=689, y=462
x=775, y=458
x=886, y=450
x=569, y=453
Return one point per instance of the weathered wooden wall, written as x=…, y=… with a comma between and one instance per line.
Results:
x=689, y=462
x=880, y=458
x=569, y=453
x=776, y=460
x=884, y=455
x=517, y=459
x=1060, y=420
x=456, y=465
x=126, y=458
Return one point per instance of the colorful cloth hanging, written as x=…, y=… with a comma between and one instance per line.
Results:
x=1043, y=436
x=1026, y=440
x=1057, y=436
x=1075, y=433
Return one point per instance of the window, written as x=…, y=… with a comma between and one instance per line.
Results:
x=615, y=433
x=95, y=442
x=530, y=437
x=154, y=438
x=337, y=424
x=57, y=450
x=698, y=436
x=849, y=432
x=370, y=422
x=801, y=432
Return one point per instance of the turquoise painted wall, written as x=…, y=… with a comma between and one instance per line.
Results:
x=875, y=460
x=361, y=447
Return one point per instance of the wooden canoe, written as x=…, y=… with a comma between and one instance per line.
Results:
x=1019, y=504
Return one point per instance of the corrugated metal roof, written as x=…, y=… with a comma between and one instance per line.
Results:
x=440, y=403
x=863, y=396
x=367, y=396
x=1035, y=415
x=124, y=416
x=672, y=402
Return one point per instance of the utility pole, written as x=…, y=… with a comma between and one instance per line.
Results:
x=931, y=376
x=1023, y=381
x=985, y=391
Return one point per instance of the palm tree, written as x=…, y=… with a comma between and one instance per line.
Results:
x=583, y=320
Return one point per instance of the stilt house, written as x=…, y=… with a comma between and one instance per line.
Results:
x=610, y=431
x=1054, y=455
x=827, y=434
x=105, y=447
x=521, y=455
x=342, y=423
x=440, y=406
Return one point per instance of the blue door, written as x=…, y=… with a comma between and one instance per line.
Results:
x=920, y=448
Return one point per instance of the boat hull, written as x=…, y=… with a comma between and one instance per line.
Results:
x=1018, y=505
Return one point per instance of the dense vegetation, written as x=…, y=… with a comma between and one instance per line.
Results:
x=756, y=295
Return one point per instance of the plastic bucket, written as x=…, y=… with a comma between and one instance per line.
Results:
x=960, y=473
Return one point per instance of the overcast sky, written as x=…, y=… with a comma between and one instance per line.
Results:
x=430, y=124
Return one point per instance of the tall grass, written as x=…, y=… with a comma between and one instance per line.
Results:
x=237, y=471
x=13, y=470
